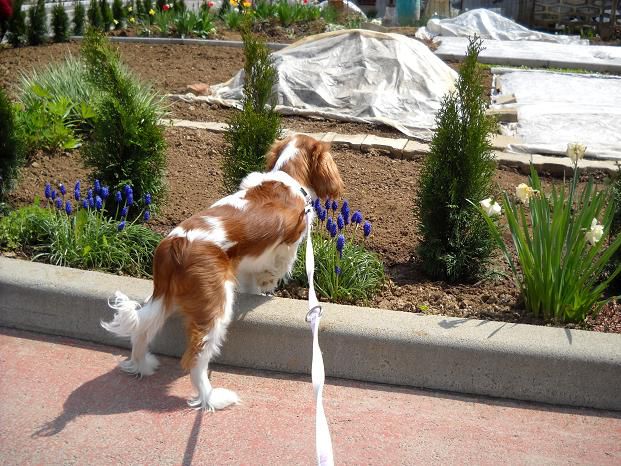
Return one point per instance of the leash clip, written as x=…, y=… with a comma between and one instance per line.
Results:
x=314, y=310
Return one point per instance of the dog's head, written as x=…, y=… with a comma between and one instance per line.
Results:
x=309, y=162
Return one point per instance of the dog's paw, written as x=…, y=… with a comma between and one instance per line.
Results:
x=145, y=367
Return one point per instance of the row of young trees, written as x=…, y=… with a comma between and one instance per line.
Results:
x=32, y=27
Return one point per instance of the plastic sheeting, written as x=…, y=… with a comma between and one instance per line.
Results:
x=536, y=54
x=355, y=75
x=489, y=25
x=555, y=109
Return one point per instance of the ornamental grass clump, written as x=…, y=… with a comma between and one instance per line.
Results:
x=253, y=129
x=127, y=144
x=345, y=271
x=456, y=243
x=74, y=229
x=562, y=243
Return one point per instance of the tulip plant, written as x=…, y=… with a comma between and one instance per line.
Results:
x=563, y=254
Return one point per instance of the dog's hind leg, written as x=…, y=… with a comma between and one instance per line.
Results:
x=204, y=341
x=141, y=324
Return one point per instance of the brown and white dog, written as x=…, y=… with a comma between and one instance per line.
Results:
x=246, y=241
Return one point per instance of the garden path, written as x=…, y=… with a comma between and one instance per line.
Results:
x=64, y=402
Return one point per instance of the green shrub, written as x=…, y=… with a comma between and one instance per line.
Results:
x=205, y=26
x=37, y=24
x=456, y=243
x=78, y=18
x=60, y=23
x=330, y=15
x=118, y=13
x=286, y=13
x=16, y=33
x=80, y=237
x=252, y=130
x=106, y=15
x=11, y=156
x=95, y=18
x=264, y=10
x=127, y=144
x=47, y=124
x=162, y=21
x=185, y=21
x=561, y=247
x=232, y=19
x=354, y=274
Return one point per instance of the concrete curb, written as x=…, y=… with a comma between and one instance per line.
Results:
x=551, y=365
x=410, y=149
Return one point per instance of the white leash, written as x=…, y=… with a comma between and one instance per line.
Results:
x=323, y=442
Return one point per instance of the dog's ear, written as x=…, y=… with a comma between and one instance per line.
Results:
x=272, y=156
x=326, y=179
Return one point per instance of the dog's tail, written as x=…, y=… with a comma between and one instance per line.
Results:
x=132, y=319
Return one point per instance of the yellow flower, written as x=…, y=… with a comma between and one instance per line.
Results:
x=130, y=9
x=115, y=22
x=233, y=3
x=524, y=193
x=247, y=4
x=151, y=11
x=132, y=20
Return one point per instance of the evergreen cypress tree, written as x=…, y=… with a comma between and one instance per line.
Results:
x=94, y=15
x=78, y=18
x=456, y=241
x=17, y=25
x=11, y=154
x=37, y=24
x=60, y=23
x=118, y=13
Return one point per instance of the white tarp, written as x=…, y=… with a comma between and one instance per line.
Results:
x=355, y=75
x=489, y=25
x=538, y=54
x=555, y=109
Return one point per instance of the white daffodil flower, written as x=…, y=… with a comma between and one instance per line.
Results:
x=575, y=151
x=595, y=233
x=524, y=193
x=490, y=208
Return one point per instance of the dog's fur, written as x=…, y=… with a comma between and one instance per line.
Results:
x=246, y=241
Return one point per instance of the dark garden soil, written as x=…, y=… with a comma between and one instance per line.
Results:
x=382, y=187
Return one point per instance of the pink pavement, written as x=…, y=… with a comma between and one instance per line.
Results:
x=63, y=401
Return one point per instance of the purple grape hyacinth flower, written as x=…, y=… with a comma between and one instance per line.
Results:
x=366, y=228
x=59, y=203
x=329, y=223
x=327, y=204
x=85, y=204
x=68, y=208
x=77, y=185
x=89, y=193
x=322, y=214
x=76, y=194
x=91, y=202
x=333, y=230
x=62, y=189
x=104, y=192
x=130, y=198
x=337, y=270
x=97, y=186
x=118, y=197
x=53, y=195
x=121, y=226
x=340, y=222
x=98, y=202
x=147, y=215
x=147, y=199
x=124, y=212
x=335, y=205
x=340, y=244
x=317, y=205
x=47, y=191
x=356, y=217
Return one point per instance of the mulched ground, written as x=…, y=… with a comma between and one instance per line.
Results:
x=382, y=187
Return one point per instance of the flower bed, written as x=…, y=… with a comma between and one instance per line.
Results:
x=383, y=187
